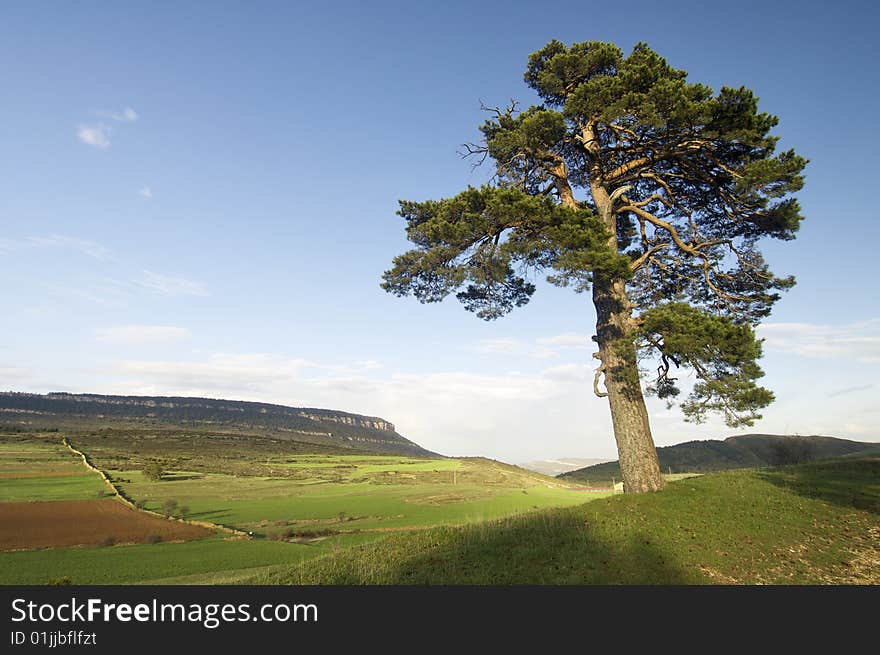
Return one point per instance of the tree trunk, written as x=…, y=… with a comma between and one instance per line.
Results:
x=635, y=446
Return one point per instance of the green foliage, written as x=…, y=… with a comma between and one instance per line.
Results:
x=722, y=352
x=485, y=239
x=153, y=470
x=681, y=183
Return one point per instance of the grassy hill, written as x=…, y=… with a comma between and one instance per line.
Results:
x=815, y=523
x=320, y=427
x=746, y=451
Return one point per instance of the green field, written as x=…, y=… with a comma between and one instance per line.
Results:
x=339, y=518
x=43, y=469
x=418, y=494
x=206, y=561
x=300, y=507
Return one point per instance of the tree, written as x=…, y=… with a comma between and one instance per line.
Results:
x=153, y=471
x=650, y=192
x=168, y=507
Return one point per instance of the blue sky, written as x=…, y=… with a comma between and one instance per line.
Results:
x=201, y=200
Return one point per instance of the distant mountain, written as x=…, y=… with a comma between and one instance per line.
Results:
x=746, y=451
x=557, y=466
x=318, y=426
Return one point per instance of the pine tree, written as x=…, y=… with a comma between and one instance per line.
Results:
x=648, y=191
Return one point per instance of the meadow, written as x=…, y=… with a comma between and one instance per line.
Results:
x=41, y=468
x=333, y=494
x=296, y=507
x=809, y=524
x=353, y=518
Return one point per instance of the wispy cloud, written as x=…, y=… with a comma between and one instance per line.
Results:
x=501, y=345
x=83, y=246
x=127, y=115
x=222, y=371
x=848, y=390
x=97, y=135
x=146, y=192
x=541, y=348
x=167, y=285
x=141, y=334
x=568, y=340
x=859, y=341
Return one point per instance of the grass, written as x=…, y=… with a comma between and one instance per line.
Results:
x=192, y=562
x=40, y=468
x=257, y=504
x=336, y=501
x=803, y=525
x=404, y=520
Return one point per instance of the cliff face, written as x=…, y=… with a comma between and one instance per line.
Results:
x=310, y=425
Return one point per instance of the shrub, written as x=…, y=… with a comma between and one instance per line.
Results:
x=183, y=511
x=153, y=539
x=153, y=471
x=168, y=507
x=109, y=540
x=60, y=582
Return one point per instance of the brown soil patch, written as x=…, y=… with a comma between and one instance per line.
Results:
x=85, y=523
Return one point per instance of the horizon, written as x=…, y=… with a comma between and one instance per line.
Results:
x=203, y=201
x=558, y=459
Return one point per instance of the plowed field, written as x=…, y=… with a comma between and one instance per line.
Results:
x=85, y=523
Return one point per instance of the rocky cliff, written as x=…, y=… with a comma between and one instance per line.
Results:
x=306, y=424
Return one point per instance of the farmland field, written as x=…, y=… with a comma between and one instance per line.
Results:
x=376, y=494
x=43, y=469
x=295, y=505
x=85, y=522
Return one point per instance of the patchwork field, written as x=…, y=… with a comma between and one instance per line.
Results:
x=296, y=506
x=331, y=494
x=41, y=468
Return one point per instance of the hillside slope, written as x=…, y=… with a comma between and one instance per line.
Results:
x=307, y=425
x=745, y=451
x=816, y=523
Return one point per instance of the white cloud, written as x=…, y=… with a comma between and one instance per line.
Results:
x=542, y=348
x=146, y=192
x=500, y=345
x=569, y=340
x=167, y=285
x=16, y=373
x=234, y=374
x=138, y=334
x=97, y=136
x=127, y=115
x=569, y=373
x=83, y=246
x=859, y=341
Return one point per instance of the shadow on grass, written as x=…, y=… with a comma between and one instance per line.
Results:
x=178, y=477
x=211, y=515
x=556, y=547
x=853, y=484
